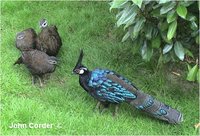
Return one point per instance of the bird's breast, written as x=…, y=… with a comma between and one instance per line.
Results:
x=83, y=81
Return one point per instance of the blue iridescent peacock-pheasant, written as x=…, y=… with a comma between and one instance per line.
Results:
x=108, y=87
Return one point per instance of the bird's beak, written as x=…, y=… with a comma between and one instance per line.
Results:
x=73, y=73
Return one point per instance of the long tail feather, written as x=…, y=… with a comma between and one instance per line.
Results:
x=156, y=108
x=147, y=103
x=18, y=61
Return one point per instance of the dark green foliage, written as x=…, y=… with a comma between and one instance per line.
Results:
x=167, y=27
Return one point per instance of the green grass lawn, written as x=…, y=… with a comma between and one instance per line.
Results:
x=62, y=102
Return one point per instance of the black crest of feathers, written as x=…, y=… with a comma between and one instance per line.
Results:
x=79, y=62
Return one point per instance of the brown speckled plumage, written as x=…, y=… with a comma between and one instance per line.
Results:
x=37, y=62
x=26, y=39
x=49, y=40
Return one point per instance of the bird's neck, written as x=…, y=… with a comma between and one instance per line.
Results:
x=84, y=79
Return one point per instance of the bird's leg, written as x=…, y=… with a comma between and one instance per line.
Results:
x=33, y=79
x=105, y=107
x=47, y=76
x=97, y=107
x=103, y=110
x=115, y=113
x=43, y=78
x=40, y=80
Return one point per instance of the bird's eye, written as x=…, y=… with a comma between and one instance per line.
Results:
x=44, y=24
x=20, y=37
x=55, y=62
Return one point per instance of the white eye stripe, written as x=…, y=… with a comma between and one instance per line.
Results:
x=81, y=71
x=20, y=37
x=44, y=24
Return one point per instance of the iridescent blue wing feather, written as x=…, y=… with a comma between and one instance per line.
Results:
x=106, y=89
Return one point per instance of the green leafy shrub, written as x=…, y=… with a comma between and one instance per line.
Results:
x=164, y=27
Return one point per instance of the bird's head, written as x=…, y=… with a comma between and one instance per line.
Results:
x=43, y=23
x=20, y=36
x=52, y=60
x=79, y=68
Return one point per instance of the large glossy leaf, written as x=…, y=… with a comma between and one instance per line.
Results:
x=191, y=17
x=189, y=67
x=138, y=2
x=117, y=3
x=137, y=45
x=167, y=7
x=163, y=1
x=167, y=48
x=155, y=32
x=194, y=33
x=128, y=14
x=167, y=57
x=148, y=31
x=155, y=43
x=191, y=76
x=179, y=50
x=126, y=36
x=131, y=22
x=163, y=25
x=146, y=52
x=119, y=14
x=130, y=29
x=171, y=30
x=181, y=11
x=193, y=26
x=156, y=13
x=138, y=26
x=189, y=53
x=164, y=37
x=171, y=16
